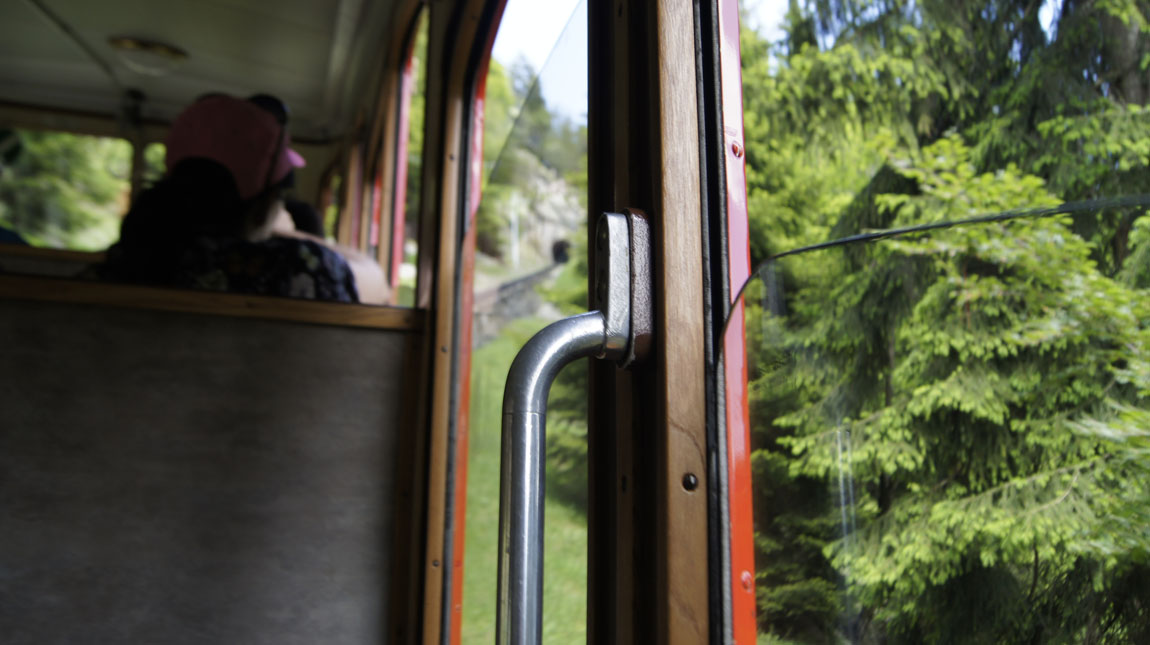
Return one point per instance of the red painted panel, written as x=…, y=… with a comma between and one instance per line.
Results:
x=735, y=364
x=466, y=305
x=462, y=431
x=376, y=209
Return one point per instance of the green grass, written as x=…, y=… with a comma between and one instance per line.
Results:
x=565, y=529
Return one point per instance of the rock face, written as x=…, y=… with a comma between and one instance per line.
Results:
x=519, y=298
x=542, y=212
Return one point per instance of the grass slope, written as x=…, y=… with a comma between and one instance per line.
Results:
x=565, y=529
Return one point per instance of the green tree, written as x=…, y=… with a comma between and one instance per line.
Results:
x=524, y=141
x=500, y=109
x=65, y=190
x=978, y=393
x=416, y=119
x=965, y=454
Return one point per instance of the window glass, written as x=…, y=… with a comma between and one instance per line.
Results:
x=67, y=191
x=406, y=253
x=950, y=425
x=153, y=162
x=530, y=270
x=332, y=193
x=62, y=190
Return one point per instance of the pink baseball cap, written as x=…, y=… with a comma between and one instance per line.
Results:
x=238, y=134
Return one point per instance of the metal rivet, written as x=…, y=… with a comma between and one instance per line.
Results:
x=690, y=482
x=736, y=149
x=435, y=563
x=443, y=349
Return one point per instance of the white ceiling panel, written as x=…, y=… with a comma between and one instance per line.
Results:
x=300, y=50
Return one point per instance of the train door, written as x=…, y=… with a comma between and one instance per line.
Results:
x=666, y=556
x=669, y=518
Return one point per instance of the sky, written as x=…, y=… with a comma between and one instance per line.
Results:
x=766, y=16
x=531, y=28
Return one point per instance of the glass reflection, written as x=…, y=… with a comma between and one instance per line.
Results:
x=950, y=427
x=530, y=270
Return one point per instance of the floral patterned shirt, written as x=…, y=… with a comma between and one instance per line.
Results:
x=279, y=266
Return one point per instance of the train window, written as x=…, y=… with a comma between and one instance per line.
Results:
x=404, y=256
x=153, y=162
x=330, y=197
x=949, y=335
x=62, y=190
x=531, y=269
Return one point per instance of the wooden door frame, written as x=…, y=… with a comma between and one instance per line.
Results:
x=460, y=35
x=669, y=506
x=648, y=505
x=655, y=485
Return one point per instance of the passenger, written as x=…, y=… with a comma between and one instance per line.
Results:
x=208, y=223
x=8, y=236
x=304, y=217
x=369, y=278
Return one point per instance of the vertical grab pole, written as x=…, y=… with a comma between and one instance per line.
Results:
x=521, y=487
x=618, y=330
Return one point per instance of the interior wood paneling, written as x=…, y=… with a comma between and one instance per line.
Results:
x=648, y=557
x=448, y=93
x=209, y=302
x=680, y=360
x=169, y=478
x=31, y=260
x=453, y=31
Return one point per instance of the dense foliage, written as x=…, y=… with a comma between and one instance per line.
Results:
x=536, y=161
x=951, y=429
x=534, y=196
x=528, y=146
x=63, y=190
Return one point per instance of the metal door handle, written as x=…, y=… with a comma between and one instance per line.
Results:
x=619, y=329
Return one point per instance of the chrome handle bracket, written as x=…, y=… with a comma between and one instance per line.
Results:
x=623, y=284
x=619, y=329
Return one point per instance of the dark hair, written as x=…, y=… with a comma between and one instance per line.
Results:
x=197, y=198
x=273, y=105
x=304, y=217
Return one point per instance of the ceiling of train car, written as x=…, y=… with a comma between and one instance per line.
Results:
x=317, y=55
